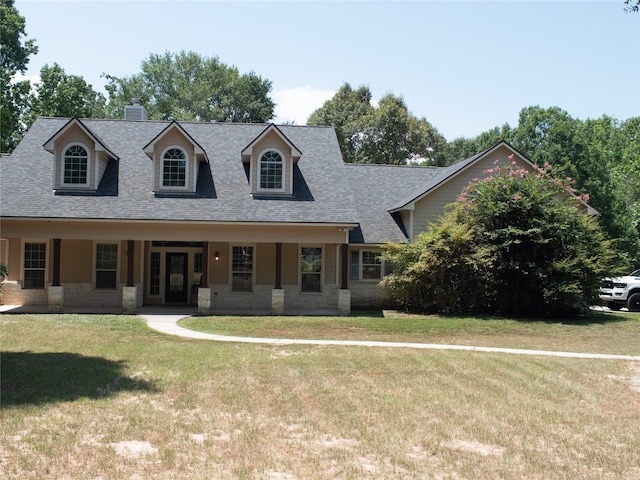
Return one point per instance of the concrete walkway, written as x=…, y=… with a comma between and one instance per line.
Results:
x=168, y=324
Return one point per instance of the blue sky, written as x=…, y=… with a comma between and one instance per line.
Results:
x=464, y=66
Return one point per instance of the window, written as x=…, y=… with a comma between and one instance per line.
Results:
x=271, y=171
x=354, y=270
x=174, y=168
x=371, y=265
x=368, y=265
x=35, y=260
x=197, y=268
x=242, y=269
x=106, y=265
x=75, y=165
x=154, y=274
x=311, y=269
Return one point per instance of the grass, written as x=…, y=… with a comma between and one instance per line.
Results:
x=589, y=334
x=104, y=397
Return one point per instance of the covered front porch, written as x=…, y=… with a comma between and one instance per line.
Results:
x=255, y=269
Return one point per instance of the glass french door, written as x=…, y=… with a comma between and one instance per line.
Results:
x=176, y=278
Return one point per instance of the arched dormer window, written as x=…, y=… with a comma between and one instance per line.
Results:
x=174, y=168
x=75, y=167
x=271, y=171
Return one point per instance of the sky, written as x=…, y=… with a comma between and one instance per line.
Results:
x=465, y=66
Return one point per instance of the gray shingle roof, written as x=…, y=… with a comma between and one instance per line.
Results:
x=26, y=183
x=379, y=188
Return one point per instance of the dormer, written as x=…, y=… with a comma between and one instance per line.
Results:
x=176, y=157
x=80, y=158
x=271, y=158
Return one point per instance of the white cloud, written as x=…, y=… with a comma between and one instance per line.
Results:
x=296, y=104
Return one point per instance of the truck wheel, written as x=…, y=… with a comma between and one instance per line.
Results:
x=614, y=306
x=633, y=304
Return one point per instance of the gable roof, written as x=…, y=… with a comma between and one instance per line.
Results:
x=100, y=145
x=447, y=173
x=149, y=147
x=376, y=190
x=325, y=194
x=248, y=150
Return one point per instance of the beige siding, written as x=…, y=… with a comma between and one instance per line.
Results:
x=76, y=261
x=330, y=264
x=290, y=262
x=174, y=138
x=74, y=135
x=265, y=263
x=429, y=209
x=219, y=269
x=272, y=141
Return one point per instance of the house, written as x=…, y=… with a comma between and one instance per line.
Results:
x=126, y=213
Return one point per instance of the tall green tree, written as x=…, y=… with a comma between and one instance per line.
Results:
x=61, y=95
x=15, y=96
x=632, y=6
x=386, y=134
x=346, y=112
x=593, y=152
x=186, y=86
x=626, y=169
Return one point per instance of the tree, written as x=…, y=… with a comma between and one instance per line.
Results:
x=61, y=95
x=346, y=112
x=387, y=134
x=626, y=170
x=187, y=87
x=632, y=6
x=15, y=53
x=461, y=148
x=590, y=152
x=515, y=243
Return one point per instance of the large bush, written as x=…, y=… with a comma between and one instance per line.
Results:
x=517, y=242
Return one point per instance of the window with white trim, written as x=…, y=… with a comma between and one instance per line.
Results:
x=75, y=165
x=242, y=269
x=271, y=171
x=371, y=265
x=197, y=268
x=368, y=265
x=154, y=274
x=106, y=266
x=311, y=269
x=174, y=168
x=35, y=262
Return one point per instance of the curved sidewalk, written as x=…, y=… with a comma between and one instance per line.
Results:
x=168, y=324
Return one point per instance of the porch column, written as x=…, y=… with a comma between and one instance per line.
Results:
x=344, y=294
x=204, y=292
x=56, y=261
x=130, y=291
x=56, y=290
x=130, y=262
x=277, y=294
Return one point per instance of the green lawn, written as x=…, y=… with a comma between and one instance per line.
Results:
x=589, y=334
x=104, y=397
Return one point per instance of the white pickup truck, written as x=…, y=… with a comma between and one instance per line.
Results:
x=622, y=292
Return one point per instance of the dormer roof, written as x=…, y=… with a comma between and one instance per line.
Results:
x=271, y=129
x=99, y=145
x=175, y=126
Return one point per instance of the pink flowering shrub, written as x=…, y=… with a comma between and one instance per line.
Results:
x=515, y=243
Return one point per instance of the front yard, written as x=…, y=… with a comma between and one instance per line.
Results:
x=88, y=396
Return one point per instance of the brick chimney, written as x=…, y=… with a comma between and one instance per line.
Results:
x=136, y=111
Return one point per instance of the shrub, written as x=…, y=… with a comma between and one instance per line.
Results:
x=515, y=243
